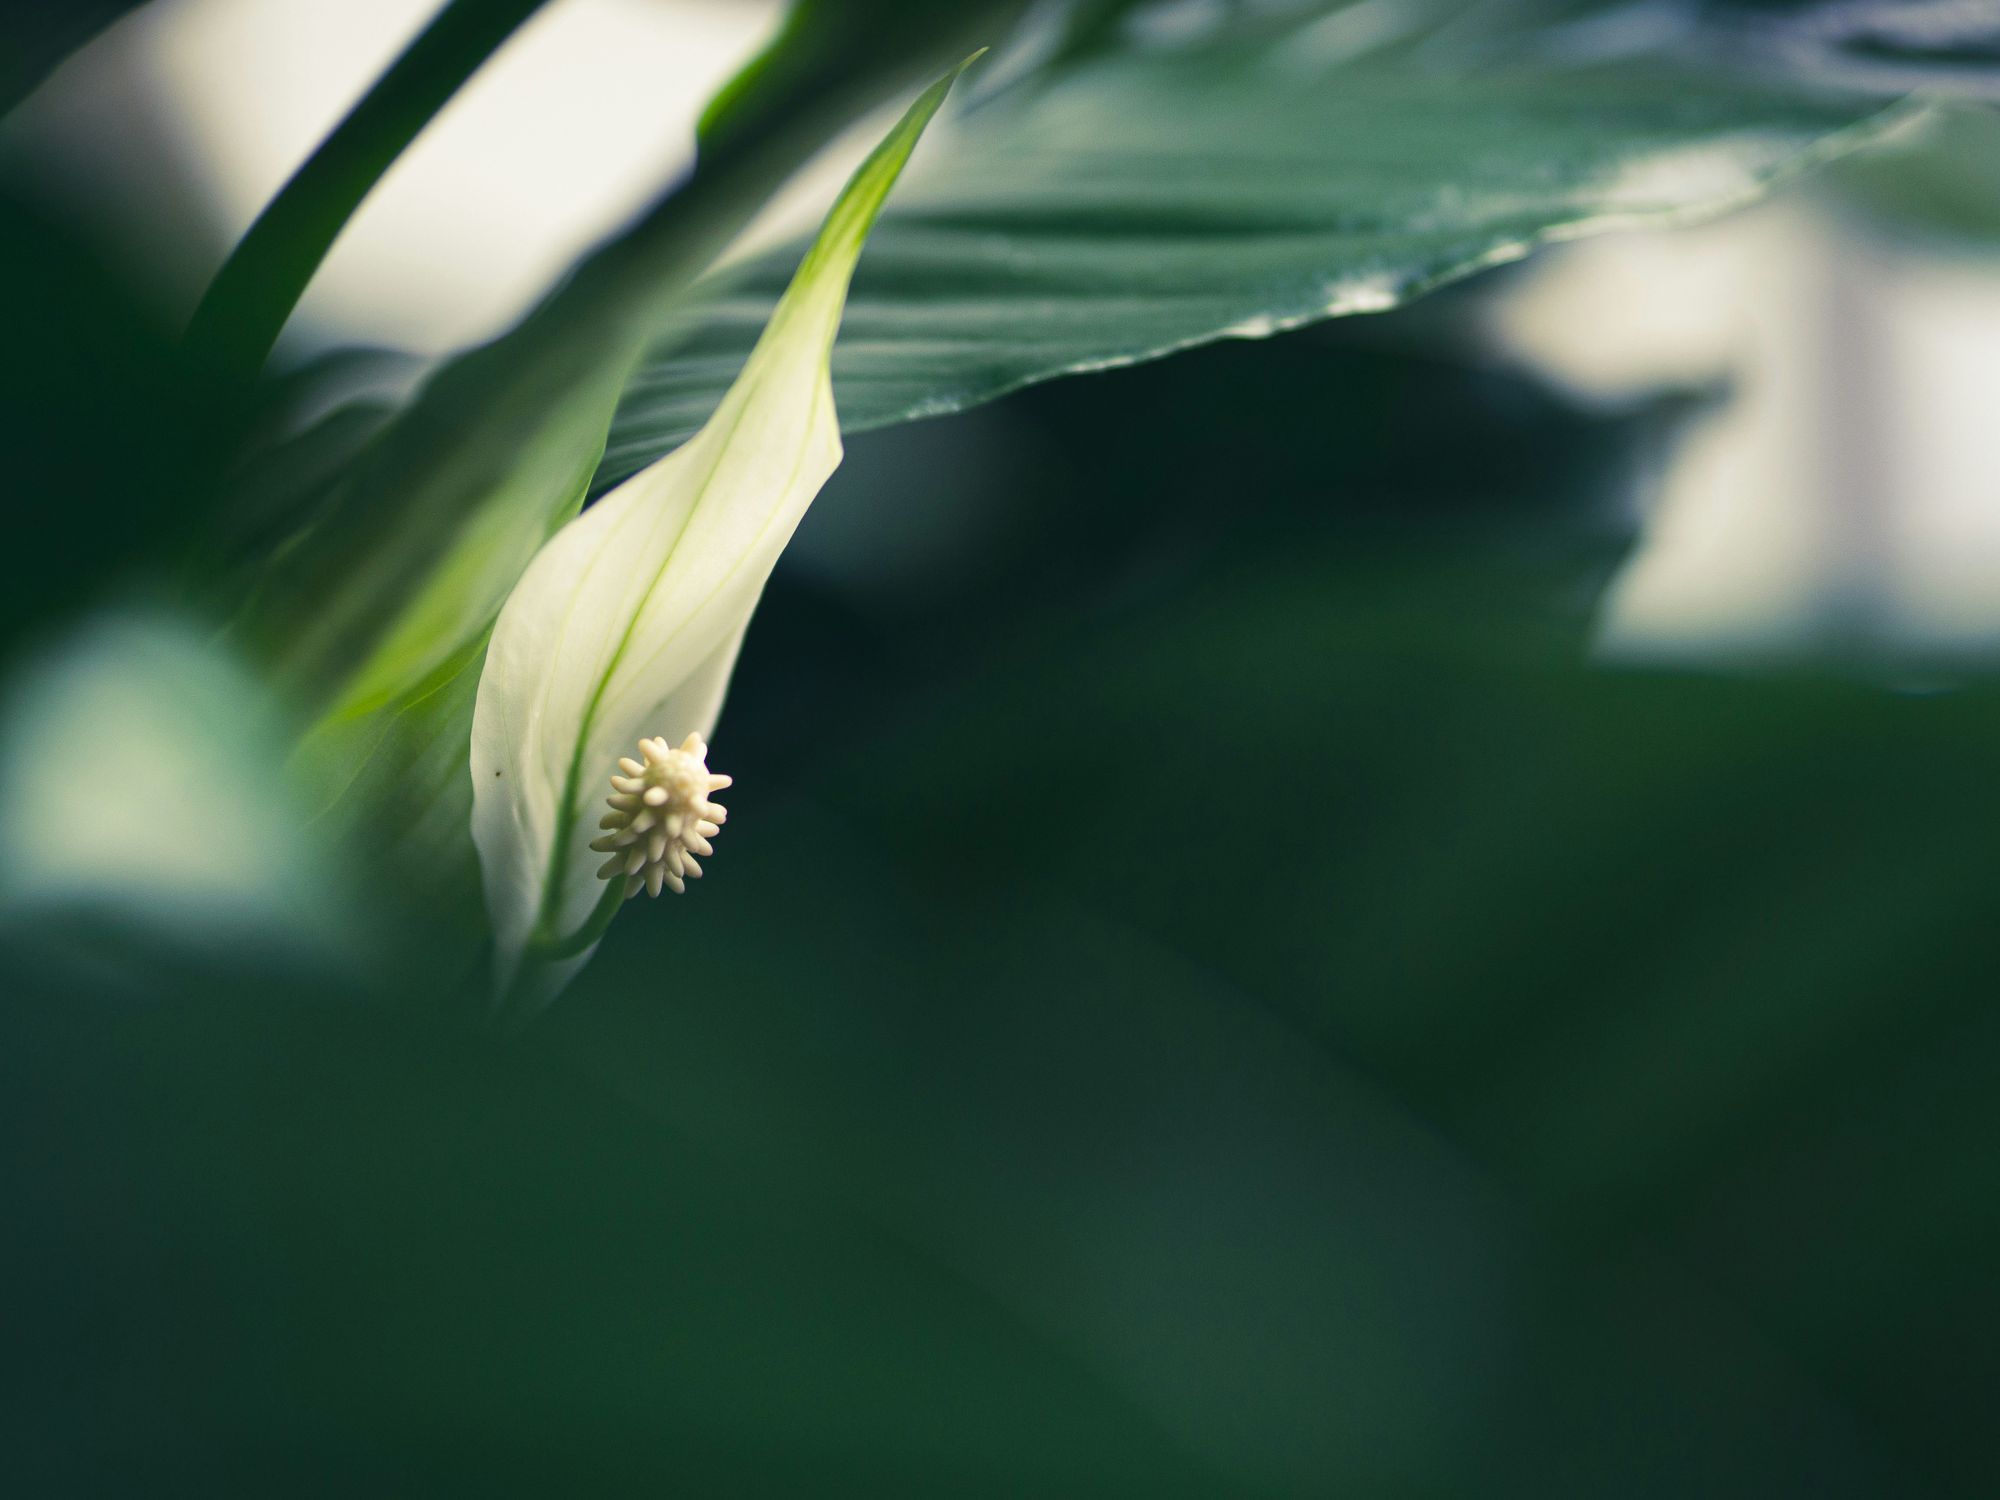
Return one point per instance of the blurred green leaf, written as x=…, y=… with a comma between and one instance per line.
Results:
x=96, y=412
x=1149, y=203
x=306, y=430
x=391, y=786
x=1943, y=181
x=36, y=36
x=1889, y=45
x=254, y=292
x=824, y=44
x=143, y=801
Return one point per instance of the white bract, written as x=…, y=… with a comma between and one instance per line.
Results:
x=624, y=628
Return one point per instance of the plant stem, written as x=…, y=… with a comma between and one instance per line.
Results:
x=553, y=950
x=237, y=324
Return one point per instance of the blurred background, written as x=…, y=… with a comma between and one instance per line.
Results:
x=1402, y=909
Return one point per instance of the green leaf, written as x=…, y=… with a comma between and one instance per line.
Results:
x=392, y=782
x=254, y=292
x=1944, y=180
x=627, y=624
x=1151, y=203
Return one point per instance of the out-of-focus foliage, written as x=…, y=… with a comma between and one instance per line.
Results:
x=1947, y=183
x=36, y=35
x=145, y=814
x=91, y=495
x=824, y=44
x=1884, y=44
x=255, y=290
x=1887, y=45
x=1139, y=206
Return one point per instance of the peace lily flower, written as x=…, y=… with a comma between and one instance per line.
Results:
x=623, y=630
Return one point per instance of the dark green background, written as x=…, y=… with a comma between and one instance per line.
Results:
x=1207, y=991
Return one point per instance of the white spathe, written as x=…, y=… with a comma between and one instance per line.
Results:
x=627, y=623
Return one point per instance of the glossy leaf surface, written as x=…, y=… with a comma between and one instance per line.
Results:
x=1147, y=204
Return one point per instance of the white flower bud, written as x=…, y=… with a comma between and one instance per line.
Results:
x=627, y=623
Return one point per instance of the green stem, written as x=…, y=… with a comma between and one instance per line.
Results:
x=516, y=1003
x=553, y=950
x=240, y=316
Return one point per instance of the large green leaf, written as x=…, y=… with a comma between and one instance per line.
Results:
x=1153, y=202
